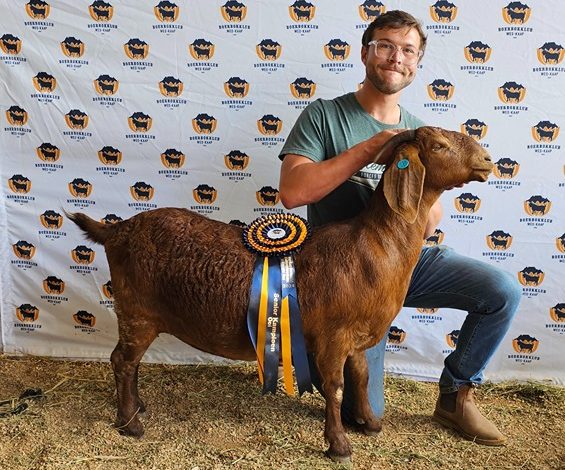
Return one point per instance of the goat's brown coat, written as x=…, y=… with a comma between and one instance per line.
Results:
x=177, y=272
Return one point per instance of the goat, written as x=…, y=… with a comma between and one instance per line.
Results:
x=174, y=271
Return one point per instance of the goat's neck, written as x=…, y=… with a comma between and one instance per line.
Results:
x=388, y=228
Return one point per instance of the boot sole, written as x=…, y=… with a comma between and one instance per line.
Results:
x=450, y=424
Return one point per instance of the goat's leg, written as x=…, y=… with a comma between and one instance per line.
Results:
x=330, y=364
x=363, y=414
x=125, y=362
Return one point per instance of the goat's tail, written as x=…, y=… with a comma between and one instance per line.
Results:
x=95, y=231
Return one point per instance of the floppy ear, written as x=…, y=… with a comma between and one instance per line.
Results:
x=403, y=182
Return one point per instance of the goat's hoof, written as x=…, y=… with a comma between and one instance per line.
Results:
x=372, y=428
x=133, y=429
x=340, y=459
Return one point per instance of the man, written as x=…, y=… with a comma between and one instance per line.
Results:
x=327, y=164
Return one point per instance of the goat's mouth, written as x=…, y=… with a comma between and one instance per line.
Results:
x=482, y=173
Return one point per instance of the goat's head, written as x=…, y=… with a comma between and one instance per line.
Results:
x=433, y=158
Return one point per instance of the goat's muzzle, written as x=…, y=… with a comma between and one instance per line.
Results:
x=482, y=168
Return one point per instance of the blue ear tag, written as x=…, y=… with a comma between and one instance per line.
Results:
x=402, y=164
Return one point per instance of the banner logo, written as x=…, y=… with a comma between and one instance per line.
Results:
x=53, y=285
x=171, y=86
x=269, y=125
x=560, y=243
x=435, y=238
x=166, y=12
x=511, y=92
x=201, y=49
x=531, y=276
x=236, y=87
x=48, y=152
x=83, y=255
x=337, y=50
x=142, y=191
x=506, y=168
x=16, y=116
x=109, y=219
x=537, y=205
x=443, y=11
x=204, y=124
x=82, y=317
x=477, y=52
x=545, y=131
x=303, y=88
x=233, y=11
x=516, y=13
x=172, y=158
x=106, y=85
x=136, y=49
x=551, y=53
x=451, y=338
x=557, y=313
x=499, y=240
x=268, y=49
x=396, y=335
x=474, y=128
x=109, y=155
x=76, y=119
x=27, y=313
x=38, y=9
x=525, y=344
x=204, y=194
x=10, y=44
x=44, y=82
x=72, y=47
x=236, y=160
x=268, y=196
x=19, y=184
x=101, y=11
x=51, y=220
x=80, y=188
x=23, y=249
x=440, y=90
x=107, y=290
x=428, y=311
x=140, y=122
x=370, y=10
x=302, y=11
x=467, y=203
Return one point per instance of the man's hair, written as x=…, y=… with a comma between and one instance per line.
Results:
x=395, y=19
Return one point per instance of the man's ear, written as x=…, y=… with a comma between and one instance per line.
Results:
x=403, y=182
x=364, y=52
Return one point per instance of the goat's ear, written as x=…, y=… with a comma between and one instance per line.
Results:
x=403, y=182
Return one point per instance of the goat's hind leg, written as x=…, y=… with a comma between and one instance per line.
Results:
x=363, y=414
x=125, y=363
x=330, y=364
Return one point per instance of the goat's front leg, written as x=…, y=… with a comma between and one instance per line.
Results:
x=359, y=374
x=330, y=364
x=125, y=362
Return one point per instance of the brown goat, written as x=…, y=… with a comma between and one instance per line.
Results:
x=177, y=272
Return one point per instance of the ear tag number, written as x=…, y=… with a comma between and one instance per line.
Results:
x=403, y=164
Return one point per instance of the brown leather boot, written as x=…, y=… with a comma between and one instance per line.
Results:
x=459, y=412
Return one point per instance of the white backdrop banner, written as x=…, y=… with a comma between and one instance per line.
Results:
x=115, y=107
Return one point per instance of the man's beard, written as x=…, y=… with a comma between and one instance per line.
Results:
x=387, y=87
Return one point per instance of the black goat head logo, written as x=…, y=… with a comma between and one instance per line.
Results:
x=474, y=128
x=516, y=13
x=506, y=168
x=303, y=88
x=141, y=191
x=268, y=49
x=337, y=50
x=396, y=335
x=19, y=184
x=106, y=85
x=10, y=44
x=537, y=205
x=557, y=312
x=236, y=87
x=107, y=290
x=109, y=155
x=44, y=82
x=171, y=86
x=24, y=250
x=435, y=238
x=545, y=131
x=27, y=313
x=560, y=243
x=531, y=276
x=84, y=318
x=511, y=93
x=53, y=285
x=440, y=90
x=477, y=52
x=451, y=338
x=370, y=10
x=82, y=254
x=201, y=49
x=51, y=220
x=443, y=11
x=204, y=194
x=166, y=12
x=101, y=11
x=38, y=9
x=140, y=122
x=551, y=53
x=48, y=152
x=467, y=203
x=72, y=47
x=16, y=116
x=172, y=158
x=204, y=124
x=268, y=196
x=136, y=49
x=302, y=11
x=525, y=344
x=233, y=11
x=109, y=219
x=80, y=188
x=76, y=119
x=269, y=125
x=236, y=160
x=499, y=240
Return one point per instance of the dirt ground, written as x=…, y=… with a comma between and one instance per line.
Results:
x=214, y=417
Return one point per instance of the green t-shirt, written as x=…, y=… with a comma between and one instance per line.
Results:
x=325, y=129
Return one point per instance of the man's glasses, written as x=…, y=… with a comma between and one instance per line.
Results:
x=385, y=49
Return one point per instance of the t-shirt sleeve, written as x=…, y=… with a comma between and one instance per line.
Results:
x=306, y=138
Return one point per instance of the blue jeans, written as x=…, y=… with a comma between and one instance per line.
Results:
x=444, y=279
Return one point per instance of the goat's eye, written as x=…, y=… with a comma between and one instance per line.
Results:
x=437, y=147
